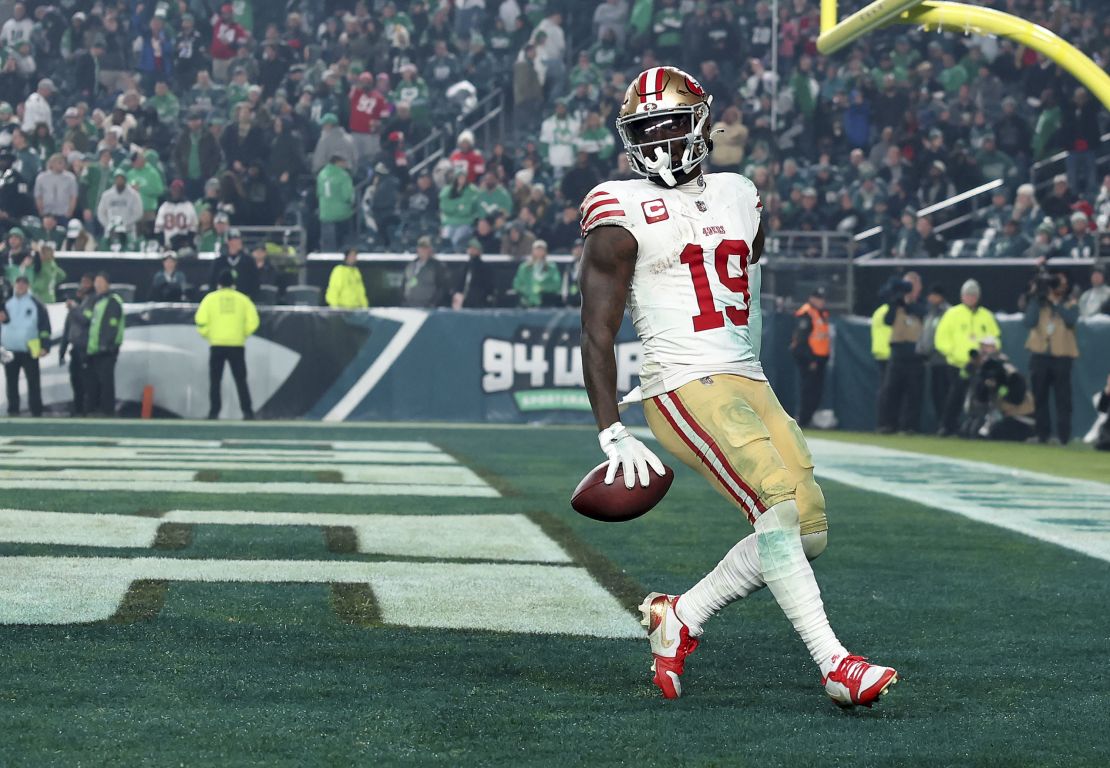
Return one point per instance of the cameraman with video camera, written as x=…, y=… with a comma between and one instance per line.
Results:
x=905, y=373
x=1051, y=314
x=999, y=405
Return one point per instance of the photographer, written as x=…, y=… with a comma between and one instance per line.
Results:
x=999, y=405
x=1051, y=315
x=905, y=373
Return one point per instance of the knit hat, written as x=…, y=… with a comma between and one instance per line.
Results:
x=970, y=288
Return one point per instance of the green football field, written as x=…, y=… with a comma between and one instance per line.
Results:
x=194, y=594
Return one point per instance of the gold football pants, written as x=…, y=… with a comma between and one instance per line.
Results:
x=734, y=432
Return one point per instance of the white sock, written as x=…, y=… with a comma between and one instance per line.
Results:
x=736, y=576
x=787, y=573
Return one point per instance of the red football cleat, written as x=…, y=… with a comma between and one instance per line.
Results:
x=855, y=682
x=671, y=642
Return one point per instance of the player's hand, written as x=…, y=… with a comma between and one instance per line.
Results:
x=628, y=454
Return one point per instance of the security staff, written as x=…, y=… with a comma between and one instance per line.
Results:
x=345, y=287
x=958, y=334
x=880, y=350
x=1050, y=316
x=905, y=373
x=106, y=324
x=226, y=318
x=75, y=340
x=811, y=352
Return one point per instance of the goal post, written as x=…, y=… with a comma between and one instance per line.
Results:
x=965, y=19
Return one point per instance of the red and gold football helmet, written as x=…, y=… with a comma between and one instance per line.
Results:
x=664, y=123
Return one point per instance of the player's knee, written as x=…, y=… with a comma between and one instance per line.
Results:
x=811, y=505
x=813, y=544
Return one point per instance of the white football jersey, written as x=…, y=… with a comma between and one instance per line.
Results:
x=695, y=293
x=175, y=219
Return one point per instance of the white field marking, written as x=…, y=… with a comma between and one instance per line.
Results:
x=94, y=441
x=1071, y=513
x=244, y=489
x=177, y=471
x=79, y=474
x=411, y=320
x=70, y=456
x=543, y=599
x=478, y=537
x=261, y=442
x=32, y=527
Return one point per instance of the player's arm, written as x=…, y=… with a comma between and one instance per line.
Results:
x=608, y=261
x=757, y=245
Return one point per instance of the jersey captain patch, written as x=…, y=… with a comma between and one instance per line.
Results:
x=655, y=210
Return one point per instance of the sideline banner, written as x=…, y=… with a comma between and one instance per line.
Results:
x=483, y=366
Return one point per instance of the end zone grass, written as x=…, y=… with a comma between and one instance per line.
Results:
x=1001, y=641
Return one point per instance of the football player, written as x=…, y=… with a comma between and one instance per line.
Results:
x=682, y=247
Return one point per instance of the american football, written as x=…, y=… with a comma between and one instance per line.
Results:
x=615, y=503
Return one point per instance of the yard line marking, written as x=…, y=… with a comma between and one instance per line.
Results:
x=1071, y=513
x=90, y=530
x=548, y=599
x=246, y=488
x=454, y=474
x=477, y=537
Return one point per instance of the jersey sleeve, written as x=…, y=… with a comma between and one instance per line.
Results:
x=604, y=207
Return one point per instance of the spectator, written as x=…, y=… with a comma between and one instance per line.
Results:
x=368, y=108
x=196, y=154
x=537, y=282
x=1058, y=204
x=558, y=135
x=19, y=254
x=528, y=73
x=336, y=195
x=457, y=210
x=120, y=207
x=1081, y=136
x=18, y=28
x=176, y=220
x=466, y=159
x=75, y=339
x=36, y=109
x=243, y=143
x=424, y=284
x=517, y=240
x=226, y=318
x=1010, y=244
x=15, y=194
x=27, y=338
x=385, y=204
x=106, y=327
x=77, y=239
x=334, y=141
x=957, y=336
x=147, y=180
x=169, y=283
x=579, y=180
x=56, y=189
x=345, y=287
x=730, y=137
x=1080, y=244
x=1096, y=299
x=235, y=260
x=227, y=37
x=267, y=272
x=153, y=51
x=1050, y=316
x=493, y=198
x=43, y=272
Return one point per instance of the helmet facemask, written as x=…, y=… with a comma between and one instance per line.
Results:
x=666, y=142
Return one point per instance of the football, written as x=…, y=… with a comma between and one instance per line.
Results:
x=615, y=503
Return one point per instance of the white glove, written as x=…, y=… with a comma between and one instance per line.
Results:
x=629, y=454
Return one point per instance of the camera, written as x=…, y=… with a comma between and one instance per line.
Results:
x=1044, y=283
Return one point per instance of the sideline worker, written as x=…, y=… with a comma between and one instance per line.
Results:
x=106, y=324
x=1050, y=316
x=27, y=336
x=905, y=373
x=958, y=335
x=345, y=287
x=811, y=351
x=226, y=318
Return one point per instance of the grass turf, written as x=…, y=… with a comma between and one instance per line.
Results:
x=999, y=638
x=1074, y=460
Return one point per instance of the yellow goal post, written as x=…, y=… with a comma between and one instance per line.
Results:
x=961, y=18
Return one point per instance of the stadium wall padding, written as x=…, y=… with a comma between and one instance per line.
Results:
x=507, y=366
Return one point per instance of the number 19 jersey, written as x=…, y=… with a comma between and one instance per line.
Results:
x=695, y=293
